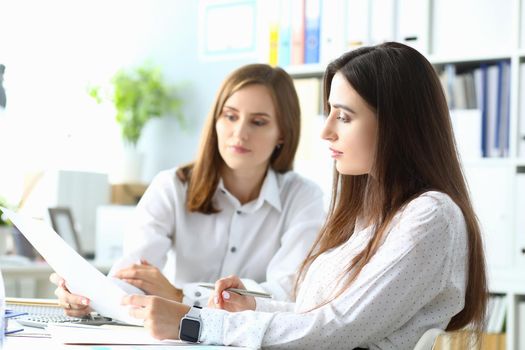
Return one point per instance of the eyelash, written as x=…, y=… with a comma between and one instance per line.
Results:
x=343, y=118
x=232, y=117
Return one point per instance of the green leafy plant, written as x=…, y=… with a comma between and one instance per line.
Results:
x=3, y=203
x=138, y=95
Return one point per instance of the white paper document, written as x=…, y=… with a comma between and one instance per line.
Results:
x=82, y=334
x=82, y=278
x=117, y=335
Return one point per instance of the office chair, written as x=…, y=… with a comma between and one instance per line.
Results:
x=427, y=340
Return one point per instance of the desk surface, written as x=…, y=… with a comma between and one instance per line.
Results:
x=25, y=343
x=19, y=342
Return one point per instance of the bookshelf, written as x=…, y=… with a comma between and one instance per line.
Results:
x=447, y=36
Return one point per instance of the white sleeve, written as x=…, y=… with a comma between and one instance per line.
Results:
x=150, y=233
x=417, y=274
x=267, y=305
x=305, y=215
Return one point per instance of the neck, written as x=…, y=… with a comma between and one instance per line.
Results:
x=244, y=185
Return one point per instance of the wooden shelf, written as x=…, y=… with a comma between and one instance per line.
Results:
x=306, y=70
x=317, y=70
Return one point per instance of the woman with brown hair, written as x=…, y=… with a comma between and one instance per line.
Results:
x=238, y=209
x=401, y=250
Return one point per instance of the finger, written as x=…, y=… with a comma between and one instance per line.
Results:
x=77, y=312
x=71, y=301
x=212, y=300
x=136, y=271
x=231, y=298
x=145, y=262
x=140, y=284
x=136, y=300
x=138, y=312
x=225, y=283
x=54, y=278
x=57, y=280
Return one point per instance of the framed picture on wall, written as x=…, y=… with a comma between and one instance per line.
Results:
x=227, y=29
x=63, y=224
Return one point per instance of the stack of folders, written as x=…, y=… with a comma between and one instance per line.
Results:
x=11, y=328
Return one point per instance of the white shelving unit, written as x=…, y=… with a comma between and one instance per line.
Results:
x=506, y=277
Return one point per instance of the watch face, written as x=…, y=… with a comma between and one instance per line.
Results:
x=189, y=330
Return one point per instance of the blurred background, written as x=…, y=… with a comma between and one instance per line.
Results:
x=62, y=148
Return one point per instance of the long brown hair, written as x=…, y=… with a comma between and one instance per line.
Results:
x=203, y=174
x=416, y=152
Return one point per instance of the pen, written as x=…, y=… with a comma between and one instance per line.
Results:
x=245, y=292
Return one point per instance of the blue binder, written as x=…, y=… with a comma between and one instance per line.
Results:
x=312, y=31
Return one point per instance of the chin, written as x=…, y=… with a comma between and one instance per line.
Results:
x=350, y=171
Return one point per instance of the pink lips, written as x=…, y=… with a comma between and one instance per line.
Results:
x=335, y=153
x=239, y=149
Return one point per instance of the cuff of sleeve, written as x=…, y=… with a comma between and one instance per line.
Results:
x=212, y=326
x=195, y=295
x=263, y=305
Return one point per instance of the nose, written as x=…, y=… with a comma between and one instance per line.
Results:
x=241, y=129
x=328, y=133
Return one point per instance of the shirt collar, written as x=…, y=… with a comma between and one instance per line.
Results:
x=270, y=191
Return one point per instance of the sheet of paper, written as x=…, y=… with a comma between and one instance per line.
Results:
x=80, y=334
x=82, y=278
x=117, y=335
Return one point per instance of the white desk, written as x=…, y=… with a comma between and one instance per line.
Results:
x=23, y=343
x=32, y=280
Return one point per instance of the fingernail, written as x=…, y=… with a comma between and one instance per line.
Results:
x=226, y=295
x=84, y=301
x=216, y=300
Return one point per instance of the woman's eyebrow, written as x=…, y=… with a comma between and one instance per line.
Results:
x=229, y=107
x=343, y=107
x=264, y=114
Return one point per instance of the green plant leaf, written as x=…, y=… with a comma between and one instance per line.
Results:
x=139, y=95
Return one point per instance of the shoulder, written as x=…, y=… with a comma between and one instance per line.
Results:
x=167, y=179
x=434, y=210
x=166, y=176
x=432, y=203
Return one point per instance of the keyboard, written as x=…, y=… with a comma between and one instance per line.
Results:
x=42, y=321
x=41, y=312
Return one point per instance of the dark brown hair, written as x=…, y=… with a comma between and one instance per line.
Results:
x=203, y=174
x=416, y=152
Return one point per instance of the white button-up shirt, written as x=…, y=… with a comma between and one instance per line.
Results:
x=415, y=281
x=264, y=240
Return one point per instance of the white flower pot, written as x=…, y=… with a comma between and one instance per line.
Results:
x=132, y=164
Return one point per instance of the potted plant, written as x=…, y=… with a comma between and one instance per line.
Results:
x=138, y=95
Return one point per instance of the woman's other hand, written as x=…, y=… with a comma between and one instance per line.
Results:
x=74, y=305
x=161, y=316
x=149, y=279
x=227, y=300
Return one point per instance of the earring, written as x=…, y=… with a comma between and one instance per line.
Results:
x=278, y=147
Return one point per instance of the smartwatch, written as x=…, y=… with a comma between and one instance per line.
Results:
x=190, y=325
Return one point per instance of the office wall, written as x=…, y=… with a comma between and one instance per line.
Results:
x=53, y=49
